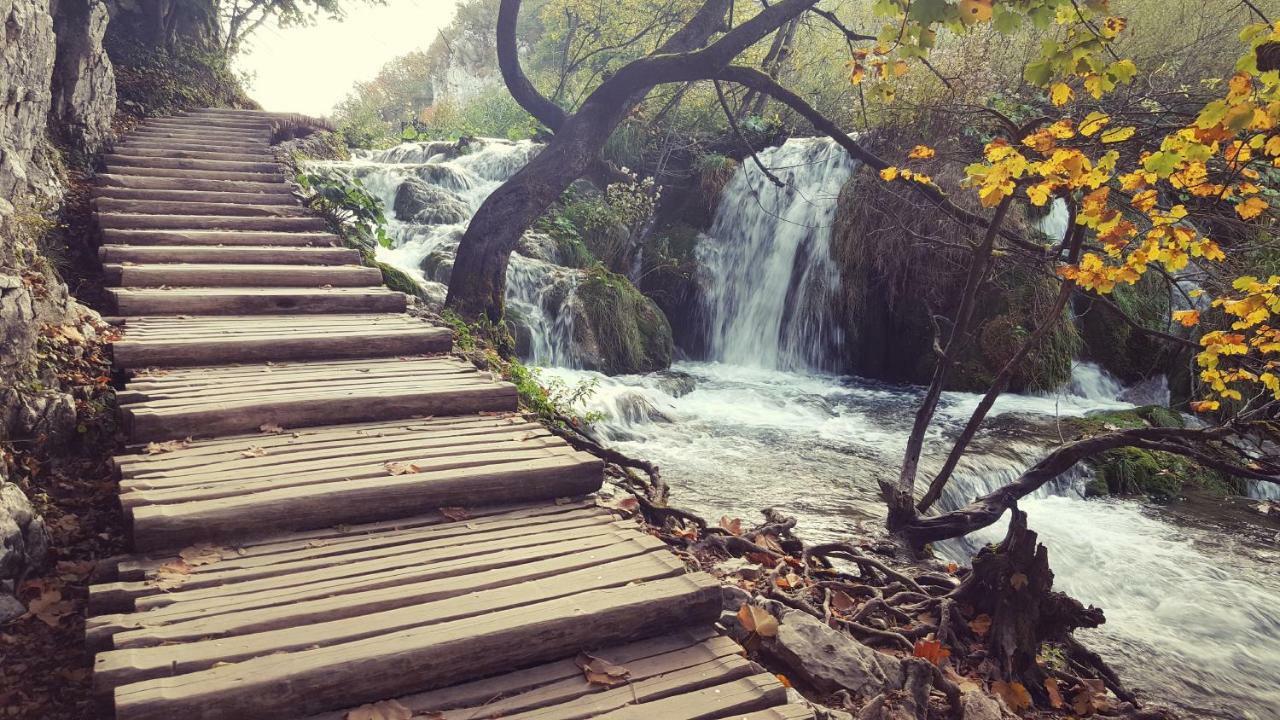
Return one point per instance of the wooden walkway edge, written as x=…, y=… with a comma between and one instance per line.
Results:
x=333, y=516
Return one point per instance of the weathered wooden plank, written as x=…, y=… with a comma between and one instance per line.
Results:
x=238, y=146
x=228, y=175
x=635, y=560
x=238, y=255
x=757, y=692
x=135, y=221
x=262, y=155
x=118, y=162
x=243, y=301
x=197, y=207
x=423, y=657
x=784, y=712
x=231, y=348
x=252, y=126
x=230, y=238
x=167, y=400
x=490, y=689
x=359, y=500
x=190, y=275
x=394, y=561
x=184, y=376
x=282, y=197
x=198, y=134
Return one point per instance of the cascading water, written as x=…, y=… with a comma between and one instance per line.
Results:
x=769, y=278
x=758, y=427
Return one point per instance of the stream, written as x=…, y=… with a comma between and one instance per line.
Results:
x=1193, y=609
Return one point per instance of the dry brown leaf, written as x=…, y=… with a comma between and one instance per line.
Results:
x=841, y=602
x=980, y=625
x=770, y=542
x=457, y=514
x=50, y=607
x=381, y=710
x=270, y=429
x=402, y=468
x=931, y=650
x=599, y=671
x=1014, y=694
x=757, y=620
x=201, y=554
x=733, y=526
x=74, y=569
x=790, y=581
x=253, y=452
x=1089, y=697
x=155, y=448
x=171, y=575
x=1055, y=695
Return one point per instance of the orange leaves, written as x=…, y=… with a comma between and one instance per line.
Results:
x=931, y=650
x=1187, y=318
x=1014, y=694
x=889, y=174
x=50, y=608
x=1203, y=406
x=1251, y=207
x=973, y=12
x=921, y=152
x=757, y=620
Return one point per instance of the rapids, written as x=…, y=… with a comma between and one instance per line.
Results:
x=1193, y=611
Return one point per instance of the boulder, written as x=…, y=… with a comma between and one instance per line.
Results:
x=24, y=541
x=445, y=176
x=616, y=329
x=676, y=383
x=977, y=705
x=829, y=660
x=425, y=204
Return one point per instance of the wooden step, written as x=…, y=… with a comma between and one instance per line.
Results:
x=201, y=134
x=196, y=196
x=117, y=162
x=178, y=207
x=245, y=301
x=159, y=342
x=135, y=221
x=422, y=657
x=226, y=146
x=152, y=254
x=263, y=155
x=253, y=125
x=247, y=275
x=253, y=177
x=219, y=237
x=212, y=401
x=142, y=182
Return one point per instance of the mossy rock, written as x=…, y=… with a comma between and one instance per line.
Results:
x=617, y=329
x=401, y=281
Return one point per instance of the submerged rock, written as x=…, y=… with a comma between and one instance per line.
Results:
x=444, y=176
x=424, y=204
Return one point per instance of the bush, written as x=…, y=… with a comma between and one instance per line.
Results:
x=155, y=81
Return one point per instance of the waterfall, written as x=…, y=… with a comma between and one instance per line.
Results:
x=769, y=279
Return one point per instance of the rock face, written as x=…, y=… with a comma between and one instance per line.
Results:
x=84, y=83
x=616, y=329
x=424, y=204
x=24, y=542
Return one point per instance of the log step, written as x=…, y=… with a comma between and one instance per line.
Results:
x=158, y=342
x=249, y=300
x=205, y=401
x=612, y=587
x=151, y=254
x=226, y=146
x=171, y=207
x=219, y=237
x=136, y=221
x=121, y=162
x=197, y=133
x=196, y=196
x=230, y=123
x=263, y=155
x=254, y=177
x=194, y=182
x=248, y=275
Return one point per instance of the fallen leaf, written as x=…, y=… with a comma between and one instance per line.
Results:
x=789, y=581
x=757, y=620
x=732, y=526
x=201, y=554
x=455, y=513
x=599, y=671
x=155, y=448
x=783, y=679
x=402, y=468
x=931, y=650
x=770, y=542
x=952, y=568
x=1014, y=694
x=1018, y=581
x=1055, y=695
x=253, y=452
x=75, y=569
x=980, y=625
x=1089, y=697
x=270, y=428
x=381, y=710
x=171, y=575
x=841, y=602
x=50, y=607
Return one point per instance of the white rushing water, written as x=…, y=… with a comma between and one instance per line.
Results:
x=1193, y=612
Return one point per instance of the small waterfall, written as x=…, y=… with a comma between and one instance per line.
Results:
x=769, y=277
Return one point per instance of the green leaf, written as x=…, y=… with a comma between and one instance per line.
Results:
x=1038, y=73
x=1122, y=70
x=1006, y=21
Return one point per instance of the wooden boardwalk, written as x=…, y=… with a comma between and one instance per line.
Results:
x=333, y=516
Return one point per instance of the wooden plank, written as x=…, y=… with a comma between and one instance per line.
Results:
x=163, y=400
x=235, y=146
x=423, y=657
x=212, y=196
x=784, y=712
x=242, y=301
x=239, y=255
x=198, y=207
x=133, y=221
x=118, y=162
x=374, y=343
x=227, y=175
x=198, y=134
x=143, y=182
x=401, y=605
x=217, y=388
x=360, y=500
x=486, y=690
x=394, y=560
x=262, y=155
x=230, y=238
x=214, y=275
x=749, y=694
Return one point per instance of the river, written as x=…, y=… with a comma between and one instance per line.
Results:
x=1193, y=610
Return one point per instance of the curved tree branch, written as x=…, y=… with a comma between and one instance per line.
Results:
x=518, y=84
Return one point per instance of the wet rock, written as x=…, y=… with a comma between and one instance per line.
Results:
x=616, y=329
x=539, y=246
x=437, y=265
x=24, y=541
x=424, y=204
x=676, y=383
x=11, y=608
x=829, y=660
x=634, y=407
x=739, y=567
x=443, y=176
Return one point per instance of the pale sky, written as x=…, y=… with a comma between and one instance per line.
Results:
x=309, y=69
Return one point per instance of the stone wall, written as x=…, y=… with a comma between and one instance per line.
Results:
x=57, y=99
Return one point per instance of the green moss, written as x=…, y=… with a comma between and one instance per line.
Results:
x=399, y=280
x=1159, y=475
x=622, y=330
x=1163, y=417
